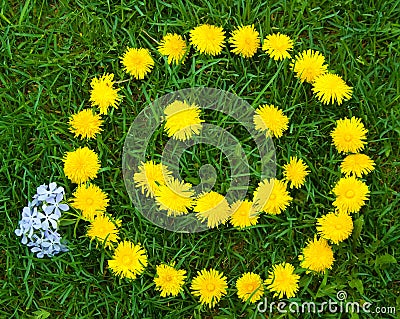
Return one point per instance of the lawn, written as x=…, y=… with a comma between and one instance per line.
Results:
x=51, y=50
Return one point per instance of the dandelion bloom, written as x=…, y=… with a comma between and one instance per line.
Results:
x=250, y=287
x=243, y=214
x=271, y=196
x=317, y=255
x=295, y=172
x=245, y=41
x=81, y=165
x=357, y=164
x=169, y=280
x=210, y=286
x=309, y=65
x=335, y=226
x=103, y=94
x=104, y=229
x=208, y=39
x=175, y=196
x=351, y=194
x=137, y=62
x=174, y=47
x=90, y=200
x=182, y=120
x=283, y=281
x=349, y=135
x=271, y=119
x=129, y=260
x=85, y=123
x=150, y=176
x=277, y=46
x=330, y=87
x=212, y=207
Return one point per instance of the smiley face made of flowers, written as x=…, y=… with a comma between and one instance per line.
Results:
x=176, y=197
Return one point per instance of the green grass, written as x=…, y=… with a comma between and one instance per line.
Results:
x=49, y=53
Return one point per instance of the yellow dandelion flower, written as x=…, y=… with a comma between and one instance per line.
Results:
x=330, y=87
x=210, y=286
x=335, y=226
x=349, y=135
x=129, y=260
x=317, y=255
x=175, y=196
x=243, y=214
x=137, y=62
x=151, y=176
x=250, y=287
x=104, y=229
x=309, y=65
x=174, y=47
x=208, y=39
x=212, y=207
x=271, y=119
x=277, y=46
x=283, y=281
x=85, y=123
x=90, y=200
x=81, y=165
x=245, y=41
x=271, y=196
x=351, y=194
x=357, y=164
x=295, y=172
x=103, y=94
x=169, y=280
x=182, y=120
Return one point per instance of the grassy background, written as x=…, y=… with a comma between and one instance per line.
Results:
x=50, y=50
